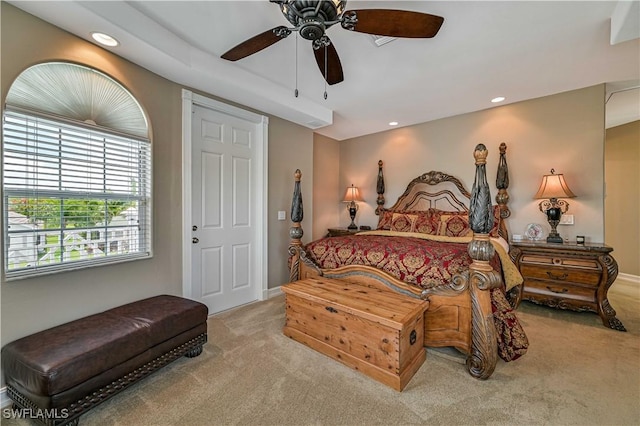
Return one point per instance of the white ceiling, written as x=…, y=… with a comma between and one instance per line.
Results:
x=517, y=49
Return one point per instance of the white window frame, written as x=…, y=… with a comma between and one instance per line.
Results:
x=33, y=184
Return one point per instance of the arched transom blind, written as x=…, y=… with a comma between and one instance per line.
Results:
x=79, y=93
x=76, y=172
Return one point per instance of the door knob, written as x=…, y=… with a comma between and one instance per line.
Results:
x=194, y=240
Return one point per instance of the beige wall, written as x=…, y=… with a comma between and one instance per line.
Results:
x=326, y=189
x=290, y=148
x=563, y=131
x=34, y=304
x=622, y=201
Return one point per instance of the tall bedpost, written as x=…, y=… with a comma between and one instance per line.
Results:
x=380, y=188
x=502, y=183
x=482, y=360
x=295, y=232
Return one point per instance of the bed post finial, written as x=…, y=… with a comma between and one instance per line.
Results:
x=480, y=154
x=297, y=213
x=480, y=209
x=502, y=183
x=380, y=189
x=295, y=232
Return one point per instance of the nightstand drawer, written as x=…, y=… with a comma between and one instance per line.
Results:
x=541, y=259
x=566, y=291
x=568, y=276
x=561, y=275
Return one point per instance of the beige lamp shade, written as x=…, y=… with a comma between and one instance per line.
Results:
x=352, y=194
x=554, y=186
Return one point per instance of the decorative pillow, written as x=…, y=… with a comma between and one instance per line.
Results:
x=497, y=221
x=428, y=222
x=403, y=222
x=454, y=224
x=384, y=221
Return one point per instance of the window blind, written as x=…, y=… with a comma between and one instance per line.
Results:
x=75, y=195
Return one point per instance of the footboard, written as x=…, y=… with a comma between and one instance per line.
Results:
x=460, y=313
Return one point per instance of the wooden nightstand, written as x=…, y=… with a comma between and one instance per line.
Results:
x=338, y=232
x=568, y=276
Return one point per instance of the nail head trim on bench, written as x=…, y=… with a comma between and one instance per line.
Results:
x=190, y=349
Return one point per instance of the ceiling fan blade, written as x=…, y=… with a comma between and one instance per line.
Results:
x=257, y=43
x=393, y=23
x=334, y=73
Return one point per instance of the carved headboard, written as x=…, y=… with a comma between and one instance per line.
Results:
x=445, y=192
x=436, y=190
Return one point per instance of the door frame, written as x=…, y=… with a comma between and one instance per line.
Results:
x=260, y=168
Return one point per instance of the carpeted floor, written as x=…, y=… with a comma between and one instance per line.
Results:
x=576, y=372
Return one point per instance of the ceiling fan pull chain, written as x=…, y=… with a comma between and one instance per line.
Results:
x=296, y=67
x=325, y=71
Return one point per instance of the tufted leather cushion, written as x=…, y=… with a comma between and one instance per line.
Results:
x=57, y=359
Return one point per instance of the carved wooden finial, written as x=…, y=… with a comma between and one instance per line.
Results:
x=380, y=189
x=480, y=154
x=503, y=148
x=502, y=182
x=296, y=232
x=297, y=213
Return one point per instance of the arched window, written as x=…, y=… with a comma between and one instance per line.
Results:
x=76, y=172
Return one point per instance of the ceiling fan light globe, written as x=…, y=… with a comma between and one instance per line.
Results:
x=311, y=30
x=322, y=13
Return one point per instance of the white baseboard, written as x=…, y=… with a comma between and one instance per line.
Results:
x=628, y=285
x=274, y=292
x=4, y=399
x=629, y=278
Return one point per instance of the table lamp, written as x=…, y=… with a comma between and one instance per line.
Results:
x=351, y=196
x=554, y=186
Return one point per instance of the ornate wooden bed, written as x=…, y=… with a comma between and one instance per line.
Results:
x=464, y=310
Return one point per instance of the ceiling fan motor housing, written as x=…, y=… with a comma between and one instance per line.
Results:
x=312, y=17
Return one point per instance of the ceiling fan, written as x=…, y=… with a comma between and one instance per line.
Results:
x=311, y=18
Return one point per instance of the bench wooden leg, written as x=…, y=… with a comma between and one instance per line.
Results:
x=192, y=353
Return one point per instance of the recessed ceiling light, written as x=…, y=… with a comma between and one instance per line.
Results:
x=498, y=99
x=105, y=39
x=393, y=123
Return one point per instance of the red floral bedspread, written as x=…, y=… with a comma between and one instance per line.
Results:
x=423, y=263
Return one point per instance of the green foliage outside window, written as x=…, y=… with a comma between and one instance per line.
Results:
x=68, y=213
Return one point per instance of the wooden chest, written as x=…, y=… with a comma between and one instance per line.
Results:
x=378, y=332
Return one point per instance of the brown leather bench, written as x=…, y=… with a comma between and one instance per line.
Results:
x=58, y=374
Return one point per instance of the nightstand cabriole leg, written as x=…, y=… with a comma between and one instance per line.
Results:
x=605, y=310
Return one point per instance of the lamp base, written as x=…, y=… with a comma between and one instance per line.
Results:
x=353, y=208
x=553, y=216
x=555, y=239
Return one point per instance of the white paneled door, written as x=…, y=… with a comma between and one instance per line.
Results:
x=223, y=183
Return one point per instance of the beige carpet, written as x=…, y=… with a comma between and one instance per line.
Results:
x=576, y=372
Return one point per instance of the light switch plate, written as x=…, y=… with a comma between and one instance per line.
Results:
x=566, y=219
x=282, y=215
